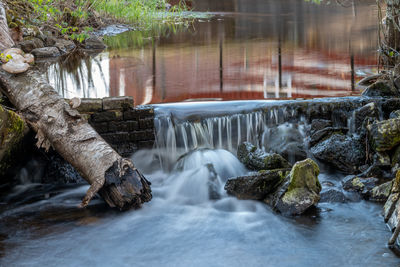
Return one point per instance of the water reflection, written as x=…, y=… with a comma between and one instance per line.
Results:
x=253, y=49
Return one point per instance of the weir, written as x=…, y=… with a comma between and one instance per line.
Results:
x=274, y=126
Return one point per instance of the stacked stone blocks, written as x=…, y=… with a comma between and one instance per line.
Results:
x=124, y=127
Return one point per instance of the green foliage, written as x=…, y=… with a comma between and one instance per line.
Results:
x=5, y=58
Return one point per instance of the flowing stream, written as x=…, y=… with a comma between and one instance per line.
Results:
x=249, y=49
x=187, y=223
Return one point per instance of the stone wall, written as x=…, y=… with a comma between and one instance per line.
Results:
x=124, y=127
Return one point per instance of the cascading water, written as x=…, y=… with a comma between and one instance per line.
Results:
x=191, y=221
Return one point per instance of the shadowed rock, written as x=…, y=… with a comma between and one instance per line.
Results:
x=340, y=151
x=256, y=159
x=256, y=186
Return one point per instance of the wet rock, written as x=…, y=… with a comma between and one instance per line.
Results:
x=64, y=46
x=342, y=152
x=28, y=45
x=384, y=135
x=381, y=88
x=394, y=114
x=332, y=195
x=256, y=186
x=46, y=52
x=59, y=171
x=381, y=193
x=319, y=124
x=323, y=134
x=359, y=115
x=381, y=159
x=357, y=184
x=95, y=43
x=256, y=159
x=303, y=189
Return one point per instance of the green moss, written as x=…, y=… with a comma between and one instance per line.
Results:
x=356, y=182
x=16, y=124
x=305, y=174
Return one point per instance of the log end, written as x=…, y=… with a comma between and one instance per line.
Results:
x=125, y=187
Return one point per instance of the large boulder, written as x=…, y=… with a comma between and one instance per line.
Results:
x=303, y=189
x=381, y=88
x=256, y=159
x=384, y=135
x=340, y=151
x=256, y=186
x=323, y=134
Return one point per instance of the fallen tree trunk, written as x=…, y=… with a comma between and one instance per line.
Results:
x=5, y=38
x=61, y=127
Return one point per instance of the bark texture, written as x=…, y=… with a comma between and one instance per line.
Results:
x=58, y=125
x=5, y=38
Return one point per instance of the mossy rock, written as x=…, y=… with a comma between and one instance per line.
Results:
x=303, y=189
x=256, y=159
x=385, y=135
x=381, y=193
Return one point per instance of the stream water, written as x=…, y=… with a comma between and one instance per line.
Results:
x=330, y=45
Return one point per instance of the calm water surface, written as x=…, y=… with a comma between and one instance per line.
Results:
x=248, y=49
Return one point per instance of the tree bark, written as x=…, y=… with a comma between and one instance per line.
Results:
x=5, y=38
x=58, y=125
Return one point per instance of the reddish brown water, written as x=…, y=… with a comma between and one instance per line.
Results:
x=249, y=49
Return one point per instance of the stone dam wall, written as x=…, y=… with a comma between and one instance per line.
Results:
x=124, y=127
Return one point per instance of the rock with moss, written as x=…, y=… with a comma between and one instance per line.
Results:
x=301, y=189
x=381, y=88
x=256, y=186
x=256, y=159
x=344, y=153
x=381, y=192
x=384, y=135
x=358, y=184
x=12, y=131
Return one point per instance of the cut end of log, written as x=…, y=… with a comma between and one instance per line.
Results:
x=125, y=187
